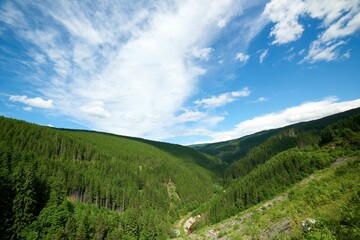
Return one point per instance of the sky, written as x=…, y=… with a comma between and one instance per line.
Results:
x=179, y=71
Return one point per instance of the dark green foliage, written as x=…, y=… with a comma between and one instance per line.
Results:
x=42, y=167
x=349, y=227
x=342, y=133
x=260, y=178
x=267, y=181
x=62, y=184
x=24, y=203
x=327, y=135
x=263, y=152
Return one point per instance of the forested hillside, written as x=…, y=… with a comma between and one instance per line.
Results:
x=324, y=205
x=233, y=150
x=265, y=175
x=77, y=184
x=70, y=184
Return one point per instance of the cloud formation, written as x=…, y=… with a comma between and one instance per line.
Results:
x=242, y=57
x=222, y=99
x=122, y=68
x=33, y=102
x=339, y=19
x=263, y=55
x=203, y=53
x=261, y=99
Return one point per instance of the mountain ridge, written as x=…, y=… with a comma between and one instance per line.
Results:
x=231, y=150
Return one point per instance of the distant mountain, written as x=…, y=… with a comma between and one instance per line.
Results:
x=232, y=150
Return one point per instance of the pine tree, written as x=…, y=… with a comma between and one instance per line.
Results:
x=24, y=203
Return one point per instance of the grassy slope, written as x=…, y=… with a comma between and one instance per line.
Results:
x=230, y=151
x=324, y=196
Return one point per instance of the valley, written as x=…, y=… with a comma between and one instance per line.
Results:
x=71, y=184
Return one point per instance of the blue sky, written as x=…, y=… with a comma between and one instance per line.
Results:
x=178, y=71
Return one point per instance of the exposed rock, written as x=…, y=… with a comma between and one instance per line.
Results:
x=308, y=224
x=176, y=232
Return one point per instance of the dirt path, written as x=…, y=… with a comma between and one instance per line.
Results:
x=341, y=161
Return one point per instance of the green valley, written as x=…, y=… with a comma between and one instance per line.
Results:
x=72, y=184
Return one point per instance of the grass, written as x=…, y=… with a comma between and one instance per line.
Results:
x=320, y=196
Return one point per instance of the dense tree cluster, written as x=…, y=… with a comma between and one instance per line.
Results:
x=258, y=155
x=44, y=169
x=266, y=181
x=63, y=184
x=268, y=169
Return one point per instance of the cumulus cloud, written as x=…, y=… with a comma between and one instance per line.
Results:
x=263, y=55
x=222, y=99
x=285, y=14
x=304, y=112
x=33, y=102
x=339, y=19
x=242, y=57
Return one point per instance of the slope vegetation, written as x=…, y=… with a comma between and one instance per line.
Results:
x=45, y=169
x=324, y=205
x=338, y=143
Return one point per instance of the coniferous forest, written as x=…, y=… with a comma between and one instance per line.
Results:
x=70, y=184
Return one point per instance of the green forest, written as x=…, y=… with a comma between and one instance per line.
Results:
x=72, y=184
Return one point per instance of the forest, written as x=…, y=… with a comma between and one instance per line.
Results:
x=78, y=185
x=72, y=184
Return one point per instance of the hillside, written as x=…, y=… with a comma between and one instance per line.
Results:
x=274, y=177
x=232, y=150
x=44, y=168
x=70, y=184
x=331, y=197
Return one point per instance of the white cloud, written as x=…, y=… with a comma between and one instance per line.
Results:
x=12, y=15
x=305, y=112
x=263, y=55
x=33, y=102
x=202, y=53
x=198, y=117
x=28, y=109
x=339, y=19
x=190, y=116
x=285, y=14
x=95, y=109
x=242, y=57
x=222, y=99
x=318, y=52
x=222, y=23
x=212, y=120
x=121, y=67
x=261, y=99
